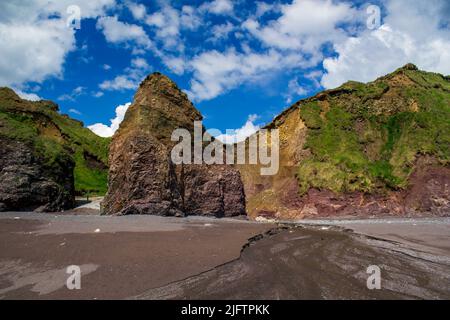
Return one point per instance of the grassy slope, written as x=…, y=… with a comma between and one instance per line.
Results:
x=55, y=137
x=371, y=134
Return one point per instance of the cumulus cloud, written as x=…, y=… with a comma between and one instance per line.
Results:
x=116, y=31
x=168, y=22
x=27, y=95
x=138, y=10
x=35, y=38
x=33, y=51
x=412, y=31
x=262, y=8
x=303, y=24
x=74, y=111
x=294, y=89
x=292, y=41
x=131, y=78
x=221, y=31
x=240, y=134
x=78, y=91
x=218, y=7
x=215, y=72
x=98, y=94
x=104, y=130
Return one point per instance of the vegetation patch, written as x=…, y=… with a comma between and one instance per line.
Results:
x=355, y=148
x=25, y=121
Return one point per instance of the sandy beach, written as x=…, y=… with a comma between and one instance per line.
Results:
x=151, y=257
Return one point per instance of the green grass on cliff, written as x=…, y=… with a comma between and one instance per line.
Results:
x=354, y=147
x=55, y=139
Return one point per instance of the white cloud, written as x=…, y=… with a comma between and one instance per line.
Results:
x=411, y=32
x=116, y=31
x=106, y=67
x=215, y=73
x=189, y=18
x=293, y=41
x=33, y=51
x=97, y=94
x=139, y=63
x=78, y=91
x=240, y=134
x=218, y=7
x=34, y=41
x=74, y=111
x=294, y=89
x=131, y=78
x=107, y=131
x=121, y=82
x=137, y=10
x=27, y=95
x=176, y=64
x=167, y=24
x=221, y=31
x=262, y=8
x=304, y=24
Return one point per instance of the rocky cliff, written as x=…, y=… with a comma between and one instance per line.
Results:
x=142, y=177
x=374, y=149
x=381, y=148
x=46, y=157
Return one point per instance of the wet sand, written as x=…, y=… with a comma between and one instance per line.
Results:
x=311, y=263
x=147, y=257
x=128, y=256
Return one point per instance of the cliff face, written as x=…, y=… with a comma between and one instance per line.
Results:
x=142, y=177
x=45, y=157
x=381, y=148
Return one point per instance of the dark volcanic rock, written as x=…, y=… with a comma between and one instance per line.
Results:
x=26, y=183
x=142, y=177
x=215, y=189
x=41, y=154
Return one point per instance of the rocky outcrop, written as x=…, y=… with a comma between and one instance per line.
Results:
x=375, y=149
x=26, y=183
x=142, y=177
x=45, y=157
x=212, y=190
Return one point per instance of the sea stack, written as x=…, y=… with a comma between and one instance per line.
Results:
x=142, y=177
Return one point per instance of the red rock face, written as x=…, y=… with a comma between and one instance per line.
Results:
x=142, y=177
x=428, y=195
x=215, y=189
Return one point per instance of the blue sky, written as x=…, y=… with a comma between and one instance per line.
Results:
x=241, y=62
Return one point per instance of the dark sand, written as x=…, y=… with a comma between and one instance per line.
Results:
x=308, y=263
x=34, y=254
x=149, y=257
